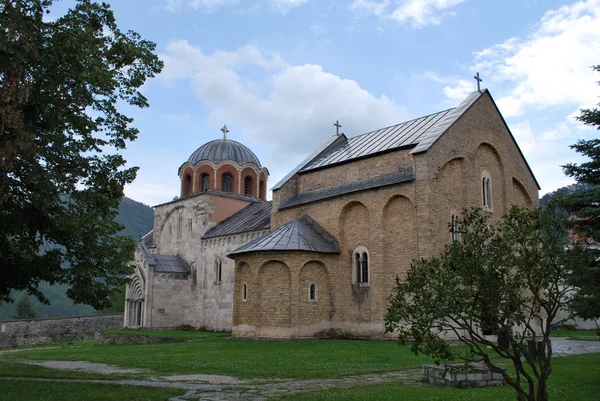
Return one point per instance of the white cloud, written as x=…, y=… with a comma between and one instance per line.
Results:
x=286, y=5
x=550, y=67
x=208, y=6
x=418, y=13
x=291, y=111
x=547, y=76
x=524, y=135
x=203, y=5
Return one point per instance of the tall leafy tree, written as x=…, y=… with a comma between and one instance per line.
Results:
x=506, y=280
x=585, y=207
x=25, y=308
x=61, y=174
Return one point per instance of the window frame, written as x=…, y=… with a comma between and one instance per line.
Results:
x=359, y=257
x=205, y=182
x=313, y=296
x=248, y=181
x=230, y=179
x=244, y=292
x=218, y=271
x=487, y=198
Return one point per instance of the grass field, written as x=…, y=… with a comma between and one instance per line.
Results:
x=575, y=378
x=215, y=353
x=588, y=335
x=29, y=390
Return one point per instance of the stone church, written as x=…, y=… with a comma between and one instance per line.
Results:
x=321, y=259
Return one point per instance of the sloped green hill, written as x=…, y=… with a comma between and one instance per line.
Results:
x=138, y=220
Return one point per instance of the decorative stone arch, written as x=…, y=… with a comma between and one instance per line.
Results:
x=233, y=172
x=178, y=217
x=244, y=311
x=520, y=196
x=361, y=266
x=134, y=304
x=187, y=182
x=249, y=175
x=399, y=231
x=488, y=158
x=262, y=185
x=203, y=170
x=274, y=296
x=311, y=312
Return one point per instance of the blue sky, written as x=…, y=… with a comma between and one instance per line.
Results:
x=279, y=73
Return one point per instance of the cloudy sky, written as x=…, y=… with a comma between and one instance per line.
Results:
x=279, y=73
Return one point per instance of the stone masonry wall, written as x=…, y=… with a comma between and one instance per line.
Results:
x=16, y=333
x=396, y=224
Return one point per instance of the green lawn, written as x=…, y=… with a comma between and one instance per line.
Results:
x=28, y=390
x=264, y=359
x=575, y=378
x=589, y=335
x=180, y=335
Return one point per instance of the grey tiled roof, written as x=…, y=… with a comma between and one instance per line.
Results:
x=164, y=263
x=255, y=216
x=327, y=193
x=224, y=149
x=301, y=234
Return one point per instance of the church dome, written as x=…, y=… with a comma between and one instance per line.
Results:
x=224, y=149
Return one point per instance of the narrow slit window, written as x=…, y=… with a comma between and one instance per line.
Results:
x=244, y=292
x=365, y=268
x=312, y=292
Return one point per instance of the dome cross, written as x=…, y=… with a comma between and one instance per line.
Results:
x=225, y=131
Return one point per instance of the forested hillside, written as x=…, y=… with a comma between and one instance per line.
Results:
x=137, y=219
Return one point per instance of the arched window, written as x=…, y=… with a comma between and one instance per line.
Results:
x=205, y=183
x=218, y=270
x=261, y=189
x=454, y=228
x=244, y=292
x=248, y=185
x=312, y=292
x=227, y=182
x=360, y=263
x=486, y=191
x=188, y=184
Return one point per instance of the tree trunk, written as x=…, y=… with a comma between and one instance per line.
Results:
x=542, y=392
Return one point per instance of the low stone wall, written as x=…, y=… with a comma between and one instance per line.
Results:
x=457, y=375
x=20, y=333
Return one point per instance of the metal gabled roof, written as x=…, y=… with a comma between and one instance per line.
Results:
x=401, y=135
x=419, y=133
x=431, y=135
x=371, y=183
x=333, y=143
x=301, y=234
x=255, y=216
